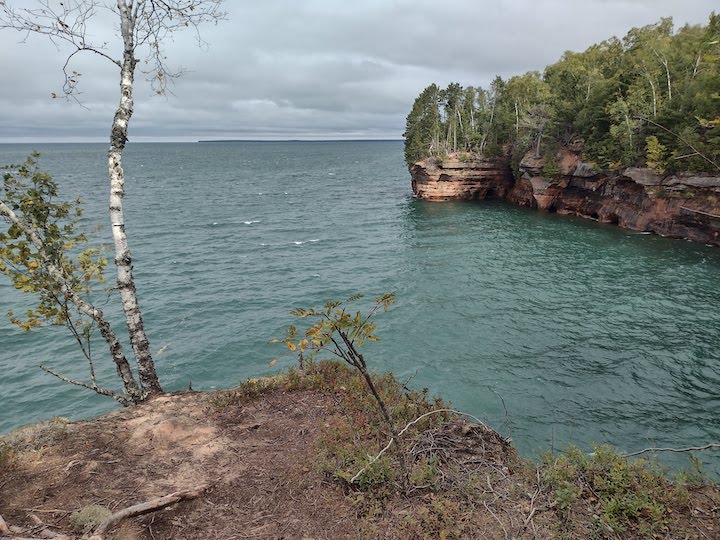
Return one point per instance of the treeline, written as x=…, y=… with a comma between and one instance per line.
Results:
x=651, y=99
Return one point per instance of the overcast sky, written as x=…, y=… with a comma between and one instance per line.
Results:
x=311, y=69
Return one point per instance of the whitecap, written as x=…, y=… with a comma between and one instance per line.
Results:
x=215, y=222
x=251, y=222
x=314, y=240
x=298, y=243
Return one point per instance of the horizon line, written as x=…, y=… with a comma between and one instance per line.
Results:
x=198, y=141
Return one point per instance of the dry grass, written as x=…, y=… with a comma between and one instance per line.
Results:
x=279, y=453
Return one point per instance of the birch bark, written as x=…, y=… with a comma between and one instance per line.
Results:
x=123, y=259
x=134, y=393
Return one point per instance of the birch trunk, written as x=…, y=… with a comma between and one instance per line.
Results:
x=134, y=393
x=123, y=259
x=667, y=73
x=654, y=93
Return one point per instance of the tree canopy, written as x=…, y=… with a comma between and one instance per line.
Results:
x=650, y=99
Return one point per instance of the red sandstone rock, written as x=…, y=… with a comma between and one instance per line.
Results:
x=457, y=179
x=681, y=206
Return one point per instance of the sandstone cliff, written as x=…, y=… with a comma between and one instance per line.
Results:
x=679, y=206
x=458, y=177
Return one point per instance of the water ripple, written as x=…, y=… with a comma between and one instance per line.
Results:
x=589, y=333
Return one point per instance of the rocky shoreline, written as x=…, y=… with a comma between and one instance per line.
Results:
x=678, y=206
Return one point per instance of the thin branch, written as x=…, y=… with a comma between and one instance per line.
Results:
x=689, y=449
x=341, y=353
x=507, y=419
x=98, y=389
x=680, y=138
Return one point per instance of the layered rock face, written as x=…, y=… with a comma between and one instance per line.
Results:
x=679, y=206
x=461, y=179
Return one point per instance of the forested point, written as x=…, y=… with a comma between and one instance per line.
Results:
x=650, y=99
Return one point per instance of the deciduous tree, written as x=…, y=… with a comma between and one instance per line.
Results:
x=144, y=26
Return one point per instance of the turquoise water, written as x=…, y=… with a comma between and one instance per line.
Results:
x=587, y=333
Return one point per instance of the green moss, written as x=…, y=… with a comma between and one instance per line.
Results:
x=89, y=517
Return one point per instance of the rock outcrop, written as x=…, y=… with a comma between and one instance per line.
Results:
x=679, y=206
x=462, y=179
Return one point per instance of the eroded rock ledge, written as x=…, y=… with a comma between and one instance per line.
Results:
x=678, y=206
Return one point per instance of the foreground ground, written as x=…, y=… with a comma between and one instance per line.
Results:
x=275, y=458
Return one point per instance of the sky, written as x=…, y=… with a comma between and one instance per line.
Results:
x=307, y=69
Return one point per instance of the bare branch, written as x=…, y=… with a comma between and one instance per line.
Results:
x=689, y=449
x=683, y=140
x=154, y=22
x=102, y=391
x=145, y=508
x=403, y=430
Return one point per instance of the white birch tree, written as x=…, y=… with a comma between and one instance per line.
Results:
x=143, y=25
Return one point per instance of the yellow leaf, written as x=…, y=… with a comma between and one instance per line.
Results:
x=291, y=345
x=273, y=362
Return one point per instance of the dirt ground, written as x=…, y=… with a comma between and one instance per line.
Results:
x=258, y=459
x=255, y=458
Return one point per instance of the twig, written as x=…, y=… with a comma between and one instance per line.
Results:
x=689, y=449
x=410, y=378
x=507, y=419
x=528, y=519
x=496, y=519
x=403, y=430
x=144, y=508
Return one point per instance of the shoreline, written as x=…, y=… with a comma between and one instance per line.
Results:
x=685, y=206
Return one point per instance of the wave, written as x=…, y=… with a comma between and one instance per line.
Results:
x=301, y=242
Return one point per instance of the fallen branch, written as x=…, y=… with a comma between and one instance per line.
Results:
x=13, y=533
x=689, y=449
x=144, y=508
x=403, y=430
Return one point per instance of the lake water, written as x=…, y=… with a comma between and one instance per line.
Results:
x=587, y=333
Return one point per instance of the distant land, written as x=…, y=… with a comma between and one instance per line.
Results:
x=295, y=140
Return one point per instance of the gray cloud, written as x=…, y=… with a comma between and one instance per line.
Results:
x=312, y=69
